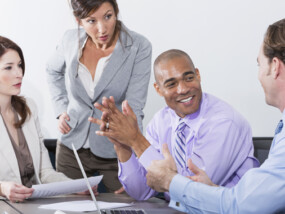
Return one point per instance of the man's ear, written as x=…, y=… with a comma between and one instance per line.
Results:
x=275, y=67
x=156, y=86
x=198, y=74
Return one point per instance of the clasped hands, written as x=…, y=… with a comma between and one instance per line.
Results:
x=121, y=128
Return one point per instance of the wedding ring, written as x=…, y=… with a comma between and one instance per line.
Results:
x=107, y=125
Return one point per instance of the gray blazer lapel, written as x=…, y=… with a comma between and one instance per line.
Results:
x=119, y=55
x=76, y=84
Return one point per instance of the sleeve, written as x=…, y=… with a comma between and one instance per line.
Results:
x=224, y=150
x=132, y=176
x=55, y=70
x=260, y=190
x=138, y=86
x=132, y=173
x=46, y=172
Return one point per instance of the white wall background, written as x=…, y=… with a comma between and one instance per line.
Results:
x=222, y=37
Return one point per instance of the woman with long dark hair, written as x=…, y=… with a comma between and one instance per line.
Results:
x=24, y=158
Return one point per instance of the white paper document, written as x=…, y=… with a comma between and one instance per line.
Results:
x=63, y=187
x=82, y=206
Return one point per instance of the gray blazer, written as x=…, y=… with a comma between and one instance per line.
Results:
x=126, y=76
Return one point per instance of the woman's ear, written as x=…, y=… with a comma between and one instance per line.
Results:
x=78, y=21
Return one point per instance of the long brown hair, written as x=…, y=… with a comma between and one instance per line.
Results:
x=18, y=102
x=274, y=41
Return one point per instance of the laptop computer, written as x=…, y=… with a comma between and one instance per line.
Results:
x=105, y=211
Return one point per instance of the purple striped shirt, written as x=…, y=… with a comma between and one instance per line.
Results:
x=218, y=140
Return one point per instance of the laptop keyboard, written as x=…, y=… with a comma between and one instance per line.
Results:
x=125, y=212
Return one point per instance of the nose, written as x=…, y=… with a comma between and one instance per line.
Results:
x=19, y=72
x=182, y=88
x=101, y=27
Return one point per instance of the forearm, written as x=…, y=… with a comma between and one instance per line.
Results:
x=124, y=153
x=132, y=177
x=193, y=197
x=139, y=145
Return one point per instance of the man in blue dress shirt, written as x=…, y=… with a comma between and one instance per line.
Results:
x=260, y=190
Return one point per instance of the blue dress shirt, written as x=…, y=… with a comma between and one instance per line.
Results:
x=260, y=190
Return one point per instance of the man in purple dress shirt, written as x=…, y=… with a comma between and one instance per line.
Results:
x=217, y=138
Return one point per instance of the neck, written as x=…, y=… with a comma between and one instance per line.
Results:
x=5, y=104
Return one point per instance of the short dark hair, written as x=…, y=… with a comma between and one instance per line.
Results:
x=18, y=102
x=274, y=41
x=168, y=55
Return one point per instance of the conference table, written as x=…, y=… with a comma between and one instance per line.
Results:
x=31, y=206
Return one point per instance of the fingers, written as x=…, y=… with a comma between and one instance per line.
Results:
x=110, y=104
x=62, y=124
x=19, y=193
x=193, y=167
x=94, y=120
x=127, y=110
x=95, y=190
x=119, y=191
x=101, y=107
x=165, y=151
x=107, y=134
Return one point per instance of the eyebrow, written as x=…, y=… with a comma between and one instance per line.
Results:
x=168, y=80
x=92, y=17
x=184, y=74
x=188, y=72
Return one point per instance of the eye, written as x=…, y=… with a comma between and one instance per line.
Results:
x=170, y=85
x=189, y=78
x=8, y=68
x=108, y=16
x=91, y=21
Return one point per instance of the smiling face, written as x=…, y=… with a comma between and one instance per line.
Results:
x=100, y=25
x=179, y=83
x=11, y=73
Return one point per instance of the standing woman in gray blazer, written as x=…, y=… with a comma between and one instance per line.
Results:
x=100, y=58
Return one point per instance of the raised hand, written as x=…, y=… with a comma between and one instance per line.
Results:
x=200, y=175
x=122, y=127
x=160, y=172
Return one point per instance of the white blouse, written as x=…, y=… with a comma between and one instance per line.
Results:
x=86, y=78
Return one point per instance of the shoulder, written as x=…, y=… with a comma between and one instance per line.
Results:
x=32, y=106
x=70, y=34
x=219, y=110
x=135, y=38
x=71, y=37
x=162, y=117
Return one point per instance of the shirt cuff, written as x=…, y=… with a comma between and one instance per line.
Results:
x=176, y=191
x=131, y=165
x=149, y=155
